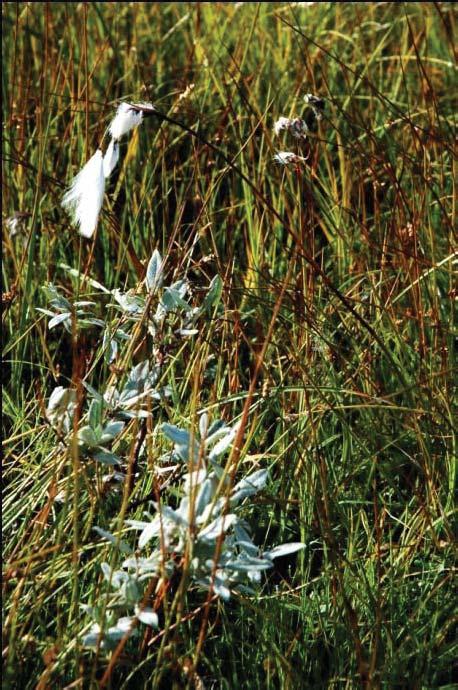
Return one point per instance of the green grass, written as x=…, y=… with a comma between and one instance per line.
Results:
x=334, y=335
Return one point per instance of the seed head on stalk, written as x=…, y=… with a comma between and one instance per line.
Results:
x=84, y=198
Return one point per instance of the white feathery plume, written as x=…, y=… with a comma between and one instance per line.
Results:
x=295, y=126
x=281, y=124
x=288, y=157
x=126, y=118
x=85, y=197
x=111, y=158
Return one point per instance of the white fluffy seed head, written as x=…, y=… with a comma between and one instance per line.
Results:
x=126, y=118
x=85, y=197
x=288, y=157
x=111, y=157
x=281, y=124
x=295, y=126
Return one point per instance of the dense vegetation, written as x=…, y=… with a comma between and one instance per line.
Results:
x=312, y=312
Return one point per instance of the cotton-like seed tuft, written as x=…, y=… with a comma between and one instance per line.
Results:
x=295, y=126
x=281, y=124
x=84, y=198
x=111, y=158
x=288, y=157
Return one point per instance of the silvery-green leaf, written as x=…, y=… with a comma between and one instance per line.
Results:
x=221, y=589
x=47, y=312
x=254, y=576
x=133, y=414
x=158, y=318
x=111, y=396
x=248, y=563
x=131, y=304
x=173, y=516
x=92, y=637
x=203, y=425
x=172, y=300
x=223, y=444
x=122, y=546
x=52, y=295
x=130, y=591
x=147, y=616
x=179, y=436
x=95, y=394
x=241, y=531
x=219, y=471
x=95, y=413
x=144, y=565
x=205, y=496
x=193, y=479
x=60, y=400
x=214, y=293
x=84, y=303
x=87, y=436
x=217, y=430
x=248, y=547
x=137, y=524
x=152, y=529
x=91, y=322
x=181, y=286
x=60, y=318
x=284, y=550
x=106, y=457
x=164, y=392
x=130, y=397
x=106, y=570
x=153, y=376
x=125, y=623
x=154, y=272
x=211, y=510
x=185, y=455
x=138, y=375
x=122, y=335
x=222, y=523
x=110, y=347
x=183, y=509
x=111, y=430
x=119, y=578
x=250, y=485
x=122, y=629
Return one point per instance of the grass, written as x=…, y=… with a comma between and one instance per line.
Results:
x=333, y=341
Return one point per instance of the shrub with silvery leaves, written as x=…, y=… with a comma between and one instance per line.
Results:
x=165, y=312
x=205, y=534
